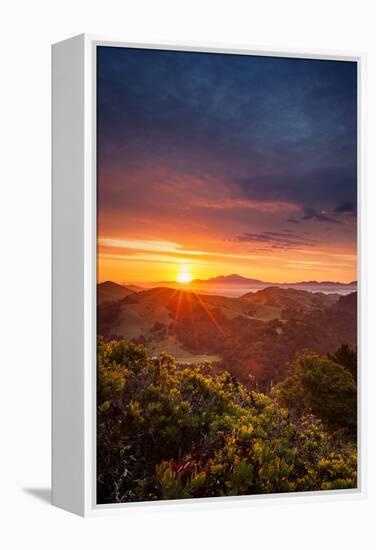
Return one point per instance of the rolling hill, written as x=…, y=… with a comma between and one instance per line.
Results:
x=109, y=292
x=291, y=298
x=256, y=334
x=135, y=288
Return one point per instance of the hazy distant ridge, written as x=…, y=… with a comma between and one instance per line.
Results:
x=239, y=280
x=236, y=285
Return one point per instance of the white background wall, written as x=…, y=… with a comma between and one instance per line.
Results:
x=27, y=30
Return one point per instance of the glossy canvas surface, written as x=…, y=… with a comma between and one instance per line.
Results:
x=227, y=266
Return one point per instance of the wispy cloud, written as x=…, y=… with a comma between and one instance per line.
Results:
x=176, y=250
x=318, y=216
x=262, y=206
x=141, y=244
x=150, y=257
x=278, y=239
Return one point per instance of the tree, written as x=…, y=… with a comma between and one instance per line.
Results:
x=323, y=386
x=346, y=357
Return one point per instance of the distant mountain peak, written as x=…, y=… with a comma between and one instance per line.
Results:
x=234, y=278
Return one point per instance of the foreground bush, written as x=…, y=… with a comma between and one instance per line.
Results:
x=167, y=433
x=325, y=387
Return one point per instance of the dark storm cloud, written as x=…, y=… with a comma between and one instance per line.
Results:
x=321, y=187
x=346, y=208
x=312, y=214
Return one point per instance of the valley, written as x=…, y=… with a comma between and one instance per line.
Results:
x=253, y=336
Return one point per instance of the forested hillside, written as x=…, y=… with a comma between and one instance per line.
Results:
x=254, y=337
x=110, y=292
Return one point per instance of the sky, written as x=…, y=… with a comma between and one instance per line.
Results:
x=214, y=164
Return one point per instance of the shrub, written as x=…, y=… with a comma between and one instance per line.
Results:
x=323, y=386
x=166, y=432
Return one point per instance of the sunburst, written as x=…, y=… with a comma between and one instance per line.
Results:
x=184, y=275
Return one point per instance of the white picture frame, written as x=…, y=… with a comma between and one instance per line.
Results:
x=74, y=278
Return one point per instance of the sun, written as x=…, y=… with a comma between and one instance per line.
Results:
x=184, y=275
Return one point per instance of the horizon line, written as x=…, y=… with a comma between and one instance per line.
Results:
x=210, y=279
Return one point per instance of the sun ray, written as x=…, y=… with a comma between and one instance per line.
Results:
x=209, y=314
x=190, y=308
x=177, y=310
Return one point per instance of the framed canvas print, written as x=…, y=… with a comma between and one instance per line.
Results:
x=207, y=286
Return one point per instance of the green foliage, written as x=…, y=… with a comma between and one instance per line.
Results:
x=110, y=375
x=169, y=433
x=323, y=386
x=346, y=357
